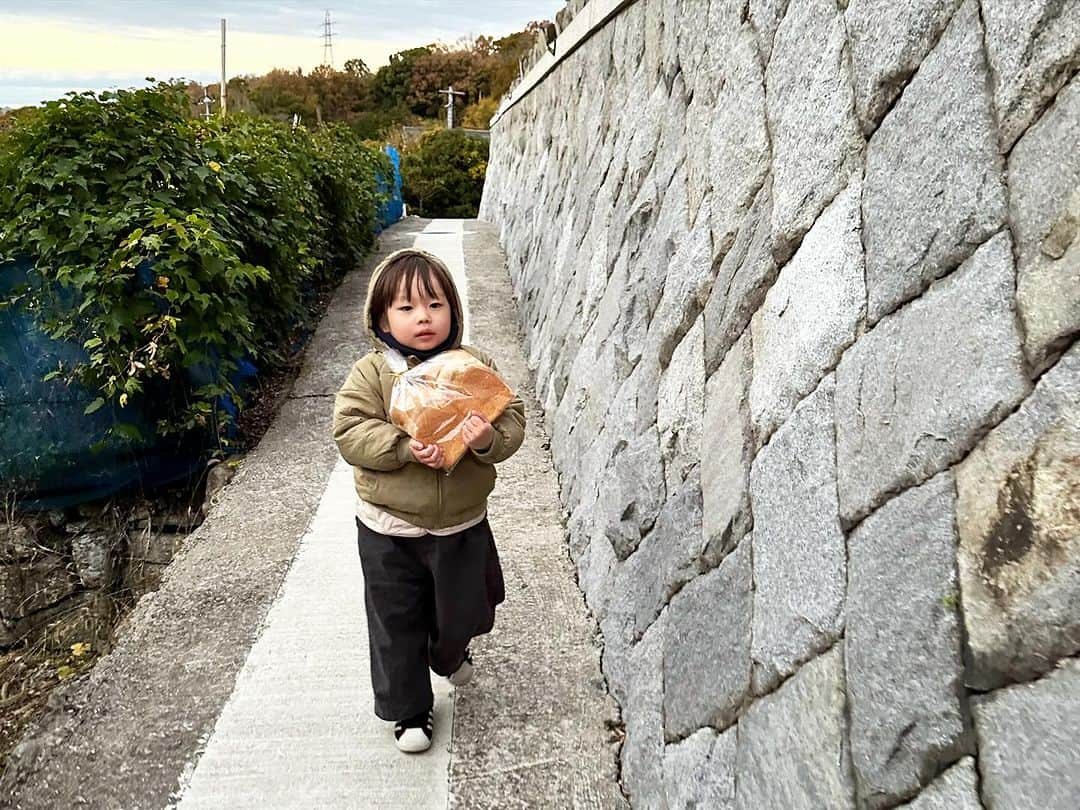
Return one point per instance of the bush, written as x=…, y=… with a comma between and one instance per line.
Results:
x=162, y=243
x=345, y=172
x=479, y=114
x=443, y=174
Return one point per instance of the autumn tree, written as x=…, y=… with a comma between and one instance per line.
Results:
x=508, y=53
x=357, y=67
x=392, y=82
x=340, y=94
x=280, y=93
x=436, y=71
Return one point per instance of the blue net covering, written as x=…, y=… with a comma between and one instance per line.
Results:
x=52, y=453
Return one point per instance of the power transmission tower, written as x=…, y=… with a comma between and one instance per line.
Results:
x=328, y=41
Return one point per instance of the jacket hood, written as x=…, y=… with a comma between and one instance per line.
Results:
x=369, y=321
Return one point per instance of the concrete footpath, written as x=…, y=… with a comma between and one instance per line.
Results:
x=243, y=681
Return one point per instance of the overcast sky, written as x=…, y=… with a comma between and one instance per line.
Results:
x=48, y=47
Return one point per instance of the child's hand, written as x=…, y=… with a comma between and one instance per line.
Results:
x=430, y=455
x=477, y=431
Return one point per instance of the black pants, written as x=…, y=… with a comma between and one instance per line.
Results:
x=426, y=598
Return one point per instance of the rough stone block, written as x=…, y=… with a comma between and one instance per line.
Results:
x=656, y=233
x=26, y=588
x=699, y=180
x=742, y=281
x=904, y=669
x=581, y=482
x=738, y=139
x=680, y=406
x=93, y=556
x=672, y=147
x=956, y=789
x=1044, y=181
x=792, y=748
x=641, y=149
x=930, y=201
x=670, y=556
x=633, y=411
x=810, y=315
x=652, y=56
x=632, y=493
x=816, y=141
x=798, y=547
x=1028, y=758
x=699, y=772
x=589, y=395
x=915, y=393
x=1033, y=47
x=18, y=542
x=1019, y=518
x=643, y=750
x=726, y=452
x=765, y=15
x=596, y=574
x=616, y=628
x=688, y=277
x=707, y=647
x=889, y=38
x=691, y=21
x=629, y=41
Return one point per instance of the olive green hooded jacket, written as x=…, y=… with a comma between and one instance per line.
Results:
x=384, y=469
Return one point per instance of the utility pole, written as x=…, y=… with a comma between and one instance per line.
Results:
x=224, y=81
x=207, y=101
x=450, y=93
x=328, y=40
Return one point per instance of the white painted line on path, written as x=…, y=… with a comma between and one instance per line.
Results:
x=443, y=237
x=298, y=730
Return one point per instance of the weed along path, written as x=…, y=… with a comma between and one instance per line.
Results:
x=244, y=681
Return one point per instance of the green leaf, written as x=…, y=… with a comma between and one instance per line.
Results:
x=128, y=431
x=94, y=406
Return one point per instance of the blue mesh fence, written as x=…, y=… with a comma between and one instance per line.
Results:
x=52, y=453
x=392, y=210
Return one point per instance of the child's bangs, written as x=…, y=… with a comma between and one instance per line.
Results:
x=403, y=275
x=422, y=271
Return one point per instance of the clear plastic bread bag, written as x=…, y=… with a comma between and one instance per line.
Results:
x=431, y=400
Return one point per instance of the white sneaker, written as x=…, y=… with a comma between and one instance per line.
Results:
x=413, y=734
x=463, y=674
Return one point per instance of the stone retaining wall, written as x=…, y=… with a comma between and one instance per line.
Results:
x=800, y=282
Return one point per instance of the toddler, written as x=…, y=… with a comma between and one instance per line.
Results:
x=432, y=576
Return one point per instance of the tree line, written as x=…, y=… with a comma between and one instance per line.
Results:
x=404, y=91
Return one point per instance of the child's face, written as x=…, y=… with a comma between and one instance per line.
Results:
x=419, y=321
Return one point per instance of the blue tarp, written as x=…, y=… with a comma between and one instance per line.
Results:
x=394, y=209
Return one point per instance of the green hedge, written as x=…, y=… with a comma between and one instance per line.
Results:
x=240, y=221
